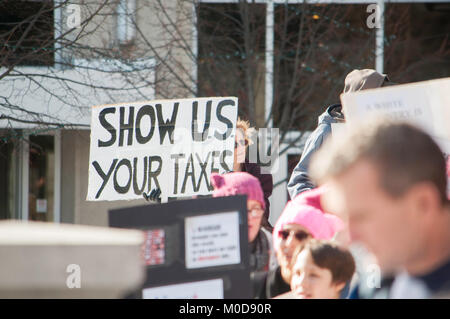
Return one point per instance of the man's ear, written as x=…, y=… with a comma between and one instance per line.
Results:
x=424, y=198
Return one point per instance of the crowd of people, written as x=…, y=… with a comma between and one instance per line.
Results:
x=369, y=215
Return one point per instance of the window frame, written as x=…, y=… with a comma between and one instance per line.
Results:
x=24, y=175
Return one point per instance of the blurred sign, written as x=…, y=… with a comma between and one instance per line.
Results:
x=212, y=240
x=154, y=247
x=425, y=104
x=41, y=205
x=192, y=246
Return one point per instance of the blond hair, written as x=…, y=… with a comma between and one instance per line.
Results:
x=246, y=130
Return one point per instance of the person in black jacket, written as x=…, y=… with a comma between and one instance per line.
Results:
x=242, y=164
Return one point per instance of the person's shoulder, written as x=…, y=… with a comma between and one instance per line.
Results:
x=438, y=280
x=267, y=233
x=267, y=236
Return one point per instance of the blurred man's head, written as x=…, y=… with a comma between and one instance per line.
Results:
x=390, y=179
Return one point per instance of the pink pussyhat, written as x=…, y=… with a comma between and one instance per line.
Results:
x=319, y=224
x=311, y=197
x=238, y=183
x=448, y=166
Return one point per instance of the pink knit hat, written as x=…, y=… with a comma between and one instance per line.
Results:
x=311, y=197
x=319, y=224
x=238, y=183
x=448, y=166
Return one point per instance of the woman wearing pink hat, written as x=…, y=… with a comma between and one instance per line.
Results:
x=262, y=257
x=301, y=220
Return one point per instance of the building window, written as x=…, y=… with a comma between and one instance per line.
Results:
x=316, y=46
x=126, y=19
x=231, y=44
x=41, y=178
x=9, y=176
x=26, y=33
x=30, y=176
x=417, y=41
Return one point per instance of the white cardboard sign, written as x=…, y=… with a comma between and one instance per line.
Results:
x=171, y=144
x=425, y=104
x=212, y=240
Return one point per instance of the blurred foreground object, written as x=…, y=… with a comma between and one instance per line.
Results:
x=46, y=260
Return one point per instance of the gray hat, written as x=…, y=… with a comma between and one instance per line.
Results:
x=358, y=80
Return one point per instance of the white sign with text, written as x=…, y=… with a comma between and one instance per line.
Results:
x=174, y=145
x=425, y=104
x=212, y=240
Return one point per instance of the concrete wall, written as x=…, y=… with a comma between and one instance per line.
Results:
x=74, y=184
x=167, y=35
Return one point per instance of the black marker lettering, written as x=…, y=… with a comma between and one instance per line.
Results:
x=222, y=160
x=203, y=172
x=166, y=126
x=197, y=136
x=154, y=174
x=145, y=110
x=117, y=187
x=213, y=168
x=223, y=119
x=176, y=157
x=105, y=177
x=191, y=174
x=136, y=189
x=107, y=126
x=126, y=126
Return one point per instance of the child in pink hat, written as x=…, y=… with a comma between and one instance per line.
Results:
x=301, y=220
x=298, y=223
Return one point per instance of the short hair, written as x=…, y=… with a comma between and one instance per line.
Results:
x=247, y=131
x=337, y=259
x=403, y=154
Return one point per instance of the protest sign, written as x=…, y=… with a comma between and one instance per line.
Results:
x=192, y=246
x=425, y=104
x=212, y=240
x=174, y=145
x=338, y=130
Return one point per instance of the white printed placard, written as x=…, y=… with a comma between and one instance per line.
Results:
x=425, y=104
x=206, y=289
x=174, y=145
x=41, y=205
x=212, y=240
x=337, y=130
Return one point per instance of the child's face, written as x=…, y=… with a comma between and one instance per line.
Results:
x=309, y=281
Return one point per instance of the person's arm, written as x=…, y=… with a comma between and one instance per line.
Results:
x=300, y=180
